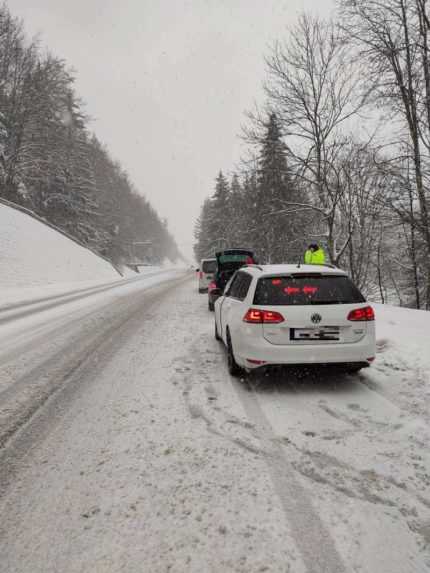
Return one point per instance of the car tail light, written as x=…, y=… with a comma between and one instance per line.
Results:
x=255, y=316
x=211, y=286
x=270, y=317
x=362, y=314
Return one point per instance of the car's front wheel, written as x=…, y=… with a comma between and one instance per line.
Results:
x=233, y=367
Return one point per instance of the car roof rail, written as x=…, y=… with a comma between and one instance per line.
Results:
x=253, y=265
x=328, y=265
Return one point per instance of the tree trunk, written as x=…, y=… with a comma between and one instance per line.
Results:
x=414, y=128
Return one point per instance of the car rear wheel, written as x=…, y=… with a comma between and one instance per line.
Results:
x=233, y=367
x=217, y=336
x=353, y=369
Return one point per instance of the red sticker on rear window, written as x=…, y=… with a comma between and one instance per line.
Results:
x=297, y=290
x=276, y=282
x=310, y=289
x=291, y=290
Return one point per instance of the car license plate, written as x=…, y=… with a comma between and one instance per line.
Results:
x=322, y=333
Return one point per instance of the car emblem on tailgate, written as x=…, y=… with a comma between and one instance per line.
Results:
x=316, y=318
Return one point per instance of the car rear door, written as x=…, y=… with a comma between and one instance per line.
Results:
x=208, y=271
x=232, y=306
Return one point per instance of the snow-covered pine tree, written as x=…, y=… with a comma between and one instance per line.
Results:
x=237, y=211
x=219, y=225
x=203, y=247
x=278, y=229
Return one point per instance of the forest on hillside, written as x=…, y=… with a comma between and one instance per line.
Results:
x=339, y=154
x=52, y=163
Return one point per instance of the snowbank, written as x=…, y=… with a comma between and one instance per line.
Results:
x=404, y=333
x=34, y=256
x=401, y=371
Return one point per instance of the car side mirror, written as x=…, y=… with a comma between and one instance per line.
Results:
x=197, y=270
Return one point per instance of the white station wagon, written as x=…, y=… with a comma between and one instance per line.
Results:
x=294, y=314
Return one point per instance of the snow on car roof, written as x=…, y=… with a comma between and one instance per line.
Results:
x=295, y=268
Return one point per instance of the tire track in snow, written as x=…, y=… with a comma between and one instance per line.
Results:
x=22, y=310
x=307, y=529
x=313, y=540
x=373, y=386
x=34, y=395
x=280, y=471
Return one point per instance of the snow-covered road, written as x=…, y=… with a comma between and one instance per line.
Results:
x=128, y=447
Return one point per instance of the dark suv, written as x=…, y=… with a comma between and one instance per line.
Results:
x=228, y=262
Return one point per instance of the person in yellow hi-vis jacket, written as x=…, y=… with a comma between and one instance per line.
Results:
x=314, y=255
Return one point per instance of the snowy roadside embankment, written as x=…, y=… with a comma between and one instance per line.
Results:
x=405, y=331
x=36, y=261
x=402, y=367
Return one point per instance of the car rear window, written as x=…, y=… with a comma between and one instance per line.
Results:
x=209, y=266
x=306, y=289
x=240, y=286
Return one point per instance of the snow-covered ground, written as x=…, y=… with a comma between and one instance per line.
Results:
x=32, y=254
x=148, y=456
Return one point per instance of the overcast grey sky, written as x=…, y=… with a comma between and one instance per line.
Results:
x=167, y=83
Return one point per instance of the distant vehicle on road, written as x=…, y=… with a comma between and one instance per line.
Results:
x=228, y=262
x=206, y=273
x=294, y=314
